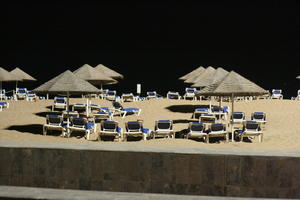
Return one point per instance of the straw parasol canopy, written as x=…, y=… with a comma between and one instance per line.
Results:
x=6, y=76
x=93, y=76
x=192, y=73
x=108, y=72
x=211, y=78
x=23, y=76
x=66, y=82
x=298, y=77
x=233, y=84
x=208, y=72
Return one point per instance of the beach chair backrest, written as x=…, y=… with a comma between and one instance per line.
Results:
x=252, y=125
x=217, y=127
x=111, y=93
x=258, y=116
x=134, y=126
x=54, y=120
x=238, y=115
x=21, y=90
x=152, y=93
x=109, y=126
x=190, y=90
x=216, y=109
x=164, y=124
x=61, y=100
x=276, y=91
x=196, y=126
x=79, y=122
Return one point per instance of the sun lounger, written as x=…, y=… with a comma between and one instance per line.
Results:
x=111, y=95
x=199, y=111
x=59, y=102
x=104, y=113
x=118, y=108
x=3, y=94
x=81, y=124
x=151, y=95
x=259, y=117
x=21, y=93
x=217, y=130
x=31, y=96
x=54, y=122
x=207, y=118
x=173, y=95
x=127, y=97
x=79, y=106
x=238, y=117
x=4, y=104
x=110, y=128
x=196, y=130
x=252, y=129
x=163, y=128
x=190, y=93
x=277, y=94
x=135, y=129
x=95, y=107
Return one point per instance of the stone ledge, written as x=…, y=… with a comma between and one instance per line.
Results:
x=152, y=148
x=14, y=192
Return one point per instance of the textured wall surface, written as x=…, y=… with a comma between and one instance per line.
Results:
x=151, y=171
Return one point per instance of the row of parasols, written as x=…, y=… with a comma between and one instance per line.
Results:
x=100, y=75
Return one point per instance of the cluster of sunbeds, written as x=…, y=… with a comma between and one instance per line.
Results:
x=207, y=125
x=20, y=94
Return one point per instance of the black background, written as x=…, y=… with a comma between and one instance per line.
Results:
x=154, y=43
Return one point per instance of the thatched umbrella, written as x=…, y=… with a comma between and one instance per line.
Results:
x=95, y=77
x=211, y=77
x=108, y=72
x=67, y=83
x=209, y=71
x=5, y=76
x=192, y=73
x=298, y=77
x=233, y=85
x=23, y=76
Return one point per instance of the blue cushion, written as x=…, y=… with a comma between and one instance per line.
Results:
x=3, y=103
x=163, y=120
x=197, y=123
x=119, y=130
x=201, y=109
x=258, y=113
x=131, y=109
x=89, y=125
x=145, y=130
x=104, y=108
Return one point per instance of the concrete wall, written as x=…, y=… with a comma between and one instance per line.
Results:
x=190, y=172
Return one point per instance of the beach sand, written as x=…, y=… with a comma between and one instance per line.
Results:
x=23, y=121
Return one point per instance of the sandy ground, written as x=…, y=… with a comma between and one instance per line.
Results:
x=24, y=119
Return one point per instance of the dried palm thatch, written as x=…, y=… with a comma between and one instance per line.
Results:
x=233, y=84
x=208, y=72
x=23, y=76
x=108, y=72
x=95, y=77
x=197, y=71
x=7, y=76
x=66, y=82
x=211, y=78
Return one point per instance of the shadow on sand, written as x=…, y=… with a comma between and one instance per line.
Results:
x=44, y=114
x=29, y=128
x=185, y=108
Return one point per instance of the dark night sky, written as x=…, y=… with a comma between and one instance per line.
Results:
x=154, y=43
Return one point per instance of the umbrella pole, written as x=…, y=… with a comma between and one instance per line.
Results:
x=232, y=109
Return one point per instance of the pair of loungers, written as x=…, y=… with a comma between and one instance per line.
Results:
x=4, y=105
x=56, y=122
